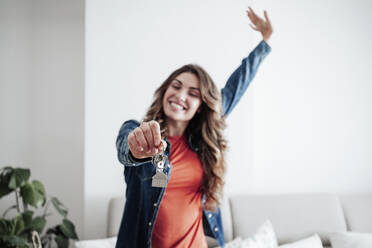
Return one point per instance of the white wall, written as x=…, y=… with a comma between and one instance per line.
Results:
x=313, y=110
x=42, y=98
x=303, y=123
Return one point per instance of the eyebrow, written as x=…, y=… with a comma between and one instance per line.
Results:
x=193, y=88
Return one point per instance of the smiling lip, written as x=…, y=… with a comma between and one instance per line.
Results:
x=173, y=103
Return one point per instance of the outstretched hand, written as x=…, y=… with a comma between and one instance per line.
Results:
x=145, y=141
x=261, y=25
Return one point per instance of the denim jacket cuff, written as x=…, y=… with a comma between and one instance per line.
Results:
x=263, y=48
x=134, y=160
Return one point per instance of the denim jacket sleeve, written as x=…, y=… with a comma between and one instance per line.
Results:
x=242, y=76
x=124, y=155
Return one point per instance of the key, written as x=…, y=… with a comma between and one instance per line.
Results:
x=158, y=161
x=159, y=179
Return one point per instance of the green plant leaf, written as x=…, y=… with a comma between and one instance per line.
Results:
x=28, y=194
x=5, y=226
x=18, y=225
x=68, y=229
x=19, y=177
x=4, y=189
x=15, y=241
x=62, y=210
x=62, y=242
x=31, y=195
x=27, y=217
x=27, y=220
x=25, y=205
x=39, y=187
x=39, y=223
x=16, y=232
x=5, y=176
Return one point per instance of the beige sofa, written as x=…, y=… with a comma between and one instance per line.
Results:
x=294, y=216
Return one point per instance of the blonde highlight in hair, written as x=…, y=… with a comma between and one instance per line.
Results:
x=206, y=129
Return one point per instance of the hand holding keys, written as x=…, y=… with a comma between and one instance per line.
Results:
x=145, y=140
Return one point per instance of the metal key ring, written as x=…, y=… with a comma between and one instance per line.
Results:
x=158, y=160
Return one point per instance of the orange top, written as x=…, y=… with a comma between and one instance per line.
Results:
x=180, y=218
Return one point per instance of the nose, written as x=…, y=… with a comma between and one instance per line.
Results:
x=181, y=95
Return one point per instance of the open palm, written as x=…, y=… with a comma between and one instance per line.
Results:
x=261, y=25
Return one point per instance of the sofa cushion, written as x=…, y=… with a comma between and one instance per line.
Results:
x=96, y=243
x=294, y=216
x=310, y=242
x=357, y=210
x=264, y=237
x=226, y=218
x=351, y=240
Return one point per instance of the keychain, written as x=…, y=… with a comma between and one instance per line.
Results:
x=159, y=179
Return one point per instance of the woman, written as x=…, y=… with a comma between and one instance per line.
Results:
x=188, y=113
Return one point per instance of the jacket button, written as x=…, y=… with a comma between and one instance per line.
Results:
x=216, y=229
x=155, y=204
x=150, y=223
x=210, y=215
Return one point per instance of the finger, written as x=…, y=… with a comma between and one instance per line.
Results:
x=163, y=146
x=252, y=13
x=266, y=17
x=254, y=27
x=253, y=19
x=133, y=144
x=141, y=139
x=155, y=129
x=148, y=136
x=256, y=17
x=249, y=14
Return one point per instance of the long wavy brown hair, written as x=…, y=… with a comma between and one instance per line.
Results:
x=206, y=129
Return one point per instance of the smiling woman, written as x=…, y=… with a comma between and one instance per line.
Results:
x=174, y=160
x=181, y=101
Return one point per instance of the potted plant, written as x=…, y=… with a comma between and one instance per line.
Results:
x=23, y=229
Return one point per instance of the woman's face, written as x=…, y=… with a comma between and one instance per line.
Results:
x=182, y=98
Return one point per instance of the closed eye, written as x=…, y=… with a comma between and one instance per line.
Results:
x=176, y=86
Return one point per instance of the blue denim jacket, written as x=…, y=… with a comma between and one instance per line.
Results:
x=143, y=200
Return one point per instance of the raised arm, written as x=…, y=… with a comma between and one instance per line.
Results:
x=240, y=79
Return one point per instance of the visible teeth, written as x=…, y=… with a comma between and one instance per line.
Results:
x=177, y=106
